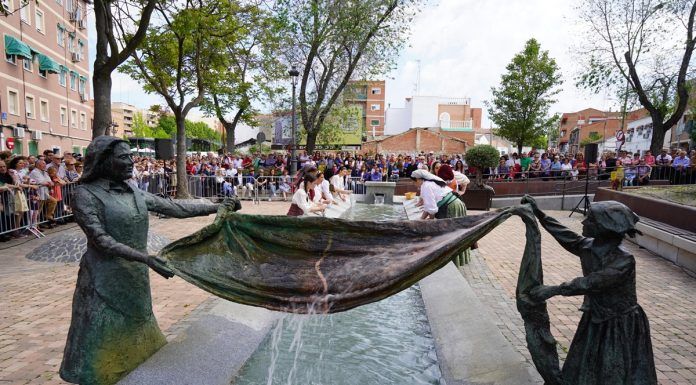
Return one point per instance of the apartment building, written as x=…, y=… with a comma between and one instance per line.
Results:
x=454, y=117
x=44, y=77
x=369, y=96
x=575, y=127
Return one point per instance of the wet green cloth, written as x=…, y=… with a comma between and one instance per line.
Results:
x=312, y=264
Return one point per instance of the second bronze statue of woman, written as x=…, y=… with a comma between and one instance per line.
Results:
x=113, y=328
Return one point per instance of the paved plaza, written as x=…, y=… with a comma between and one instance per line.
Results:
x=35, y=298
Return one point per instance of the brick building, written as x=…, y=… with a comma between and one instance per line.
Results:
x=417, y=140
x=368, y=95
x=44, y=76
x=575, y=127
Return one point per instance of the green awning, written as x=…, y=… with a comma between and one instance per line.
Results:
x=83, y=78
x=63, y=68
x=74, y=73
x=16, y=47
x=47, y=64
x=61, y=26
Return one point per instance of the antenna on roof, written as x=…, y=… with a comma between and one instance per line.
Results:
x=418, y=77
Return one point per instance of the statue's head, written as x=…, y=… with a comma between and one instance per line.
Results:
x=610, y=219
x=108, y=157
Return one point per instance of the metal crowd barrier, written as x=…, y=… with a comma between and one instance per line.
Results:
x=23, y=212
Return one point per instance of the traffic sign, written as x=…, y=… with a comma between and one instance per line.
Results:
x=10, y=143
x=3, y=116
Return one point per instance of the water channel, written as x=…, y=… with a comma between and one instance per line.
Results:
x=387, y=342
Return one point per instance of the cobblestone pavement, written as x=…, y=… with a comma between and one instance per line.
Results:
x=666, y=293
x=36, y=298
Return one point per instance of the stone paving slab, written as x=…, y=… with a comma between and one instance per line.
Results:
x=36, y=299
x=665, y=291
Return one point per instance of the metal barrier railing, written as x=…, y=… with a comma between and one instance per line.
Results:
x=26, y=211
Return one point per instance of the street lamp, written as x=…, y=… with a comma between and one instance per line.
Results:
x=294, y=73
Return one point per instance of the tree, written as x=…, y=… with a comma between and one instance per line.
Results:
x=333, y=40
x=593, y=137
x=482, y=156
x=140, y=129
x=175, y=58
x=112, y=51
x=251, y=64
x=643, y=47
x=520, y=105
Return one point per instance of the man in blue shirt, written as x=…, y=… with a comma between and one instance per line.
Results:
x=680, y=164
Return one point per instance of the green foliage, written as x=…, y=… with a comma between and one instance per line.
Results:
x=259, y=148
x=482, y=156
x=167, y=124
x=247, y=71
x=520, y=105
x=593, y=137
x=200, y=130
x=335, y=41
x=639, y=51
x=342, y=124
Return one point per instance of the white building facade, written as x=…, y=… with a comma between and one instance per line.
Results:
x=432, y=112
x=639, y=136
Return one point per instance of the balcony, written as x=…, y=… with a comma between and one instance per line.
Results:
x=457, y=125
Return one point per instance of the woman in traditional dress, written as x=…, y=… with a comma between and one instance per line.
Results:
x=302, y=203
x=439, y=202
x=457, y=182
x=113, y=329
x=612, y=344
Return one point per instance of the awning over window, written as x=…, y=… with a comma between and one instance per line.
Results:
x=16, y=47
x=74, y=73
x=48, y=64
x=63, y=68
x=83, y=78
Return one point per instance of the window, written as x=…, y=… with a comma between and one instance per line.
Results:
x=82, y=86
x=39, y=21
x=73, y=81
x=43, y=110
x=563, y=132
x=71, y=42
x=73, y=118
x=376, y=91
x=374, y=107
x=63, y=116
x=60, y=2
x=24, y=11
x=83, y=121
x=11, y=59
x=62, y=77
x=7, y=5
x=60, y=36
x=43, y=73
x=80, y=47
x=29, y=106
x=28, y=64
x=69, y=6
x=374, y=122
x=13, y=101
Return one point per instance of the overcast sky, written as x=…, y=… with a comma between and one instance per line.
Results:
x=463, y=47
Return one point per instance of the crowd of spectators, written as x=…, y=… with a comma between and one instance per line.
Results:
x=35, y=190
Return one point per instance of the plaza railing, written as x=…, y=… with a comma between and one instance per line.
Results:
x=27, y=211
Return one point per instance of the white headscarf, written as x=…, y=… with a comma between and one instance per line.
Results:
x=426, y=175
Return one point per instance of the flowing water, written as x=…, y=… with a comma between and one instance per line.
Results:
x=387, y=342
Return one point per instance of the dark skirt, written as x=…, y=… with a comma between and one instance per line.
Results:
x=614, y=352
x=295, y=211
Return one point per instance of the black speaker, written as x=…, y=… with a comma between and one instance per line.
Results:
x=164, y=149
x=591, y=153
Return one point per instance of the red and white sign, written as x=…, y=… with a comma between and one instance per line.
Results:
x=9, y=142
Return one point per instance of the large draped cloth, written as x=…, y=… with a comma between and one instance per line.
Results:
x=319, y=265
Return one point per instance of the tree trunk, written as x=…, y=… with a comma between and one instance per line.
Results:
x=658, y=137
x=519, y=148
x=311, y=141
x=101, y=85
x=182, y=191
x=229, y=137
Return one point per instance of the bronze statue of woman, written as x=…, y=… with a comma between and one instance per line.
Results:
x=113, y=328
x=612, y=344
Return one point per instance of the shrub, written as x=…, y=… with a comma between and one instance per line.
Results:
x=482, y=157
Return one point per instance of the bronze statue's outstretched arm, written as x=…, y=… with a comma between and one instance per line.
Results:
x=570, y=240
x=177, y=209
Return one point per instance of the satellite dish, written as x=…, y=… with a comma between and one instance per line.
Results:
x=260, y=137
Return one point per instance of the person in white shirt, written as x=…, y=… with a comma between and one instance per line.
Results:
x=301, y=202
x=339, y=185
x=322, y=190
x=432, y=190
